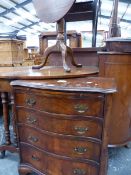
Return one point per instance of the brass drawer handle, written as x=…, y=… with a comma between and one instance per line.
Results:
x=81, y=130
x=35, y=158
x=79, y=171
x=80, y=150
x=33, y=139
x=30, y=101
x=31, y=120
x=81, y=108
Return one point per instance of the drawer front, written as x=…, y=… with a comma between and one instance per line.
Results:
x=77, y=126
x=64, y=146
x=54, y=165
x=91, y=105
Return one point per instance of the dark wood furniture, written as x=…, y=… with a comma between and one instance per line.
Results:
x=118, y=66
x=110, y=64
x=62, y=125
x=87, y=10
x=118, y=45
x=85, y=56
x=7, y=74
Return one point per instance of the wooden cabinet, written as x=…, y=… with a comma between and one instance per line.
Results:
x=11, y=52
x=62, y=125
x=118, y=66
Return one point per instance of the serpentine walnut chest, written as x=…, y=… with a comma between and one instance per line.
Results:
x=62, y=125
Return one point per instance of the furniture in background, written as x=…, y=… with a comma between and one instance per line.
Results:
x=62, y=125
x=118, y=65
x=87, y=10
x=31, y=56
x=118, y=45
x=32, y=51
x=116, y=62
x=87, y=38
x=85, y=56
x=26, y=54
x=114, y=27
x=11, y=52
x=45, y=37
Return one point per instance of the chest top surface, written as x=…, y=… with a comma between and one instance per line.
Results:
x=90, y=84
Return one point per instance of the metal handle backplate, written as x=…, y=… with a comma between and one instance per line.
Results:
x=81, y=130
x=33, y=139
x=79, y=171
x=81, y=108
x=35, y=158
x=31, y=120
x=80, y=150
x=30, y=101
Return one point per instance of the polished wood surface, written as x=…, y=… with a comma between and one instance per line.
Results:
x=56, y=165
x=65, y=145
x=95, y=104
x=90, y=128
x=51, y=10
x=44, y=73
x=92, y=84
x=118, y=65
x=73, y=148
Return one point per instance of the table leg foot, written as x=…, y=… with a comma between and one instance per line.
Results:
x=4, y=148
x=2, y=154
x=24, y=171
x=128, y=145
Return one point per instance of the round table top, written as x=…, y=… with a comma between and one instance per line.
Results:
x=52, y=10
x=27, y=73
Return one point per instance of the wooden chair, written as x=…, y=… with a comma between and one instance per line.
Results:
x=87, y=10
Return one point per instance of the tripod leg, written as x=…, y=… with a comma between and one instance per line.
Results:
x=70, y=52
x=63, y=50
x=47, y=52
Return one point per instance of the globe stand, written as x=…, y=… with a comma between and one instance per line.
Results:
x=60, y=46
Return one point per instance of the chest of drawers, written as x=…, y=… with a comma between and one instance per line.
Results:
x=62, y=125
